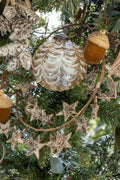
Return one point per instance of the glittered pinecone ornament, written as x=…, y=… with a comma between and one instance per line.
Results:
x=4, y=26
x=95, y=47
x=11, y=14
x=26, y=12
x=59, y=64
x=5, y=107
x=21, y=30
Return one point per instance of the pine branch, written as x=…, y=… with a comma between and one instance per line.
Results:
x=3, y=154
x=66, y=26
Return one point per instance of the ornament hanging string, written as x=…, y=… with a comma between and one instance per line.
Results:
x=4, y=76
x=28, y=3
x=66, y=26
x=104, y=3
x=13, y=2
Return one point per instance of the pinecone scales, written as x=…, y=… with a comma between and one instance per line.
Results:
x=22, y=30
x=28, y=13
x=59, y=65
x=4, y=26
x=18, y=20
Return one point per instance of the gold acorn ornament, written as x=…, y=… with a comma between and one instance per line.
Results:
x=96, y=46
x=5, y=106
x=59, y=64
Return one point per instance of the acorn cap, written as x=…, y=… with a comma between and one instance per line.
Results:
x=5, y=101
x=100, y=39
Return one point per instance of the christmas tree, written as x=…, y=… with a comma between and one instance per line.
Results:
x=59, y=96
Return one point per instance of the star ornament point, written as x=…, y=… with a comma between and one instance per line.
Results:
x=34, y=146
x=37, y=113
x=24, y=87
x=68, y=110
x=81, y=125
x=45, y=118
x=5, y=128
x=16, y=138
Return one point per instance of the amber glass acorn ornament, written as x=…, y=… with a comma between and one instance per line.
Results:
x=5, y=106
x=96, y=46
x=59, y=64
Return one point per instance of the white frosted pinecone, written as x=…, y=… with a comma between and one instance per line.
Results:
x=13, y=64
x=28, y=13
x=12, y=49
x=59, y=65
x=11, y=13
x=4, y=26
x=21, y=30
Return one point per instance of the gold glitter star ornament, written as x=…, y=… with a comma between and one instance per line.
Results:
x=59, y=142
x=68, y=110
x=5, y=128
x=5, y=106
x=37, y=113
x=16, y=138
x=34, y=146
x=24, y=87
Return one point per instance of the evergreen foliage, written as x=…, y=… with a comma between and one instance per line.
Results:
x=94, y=156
